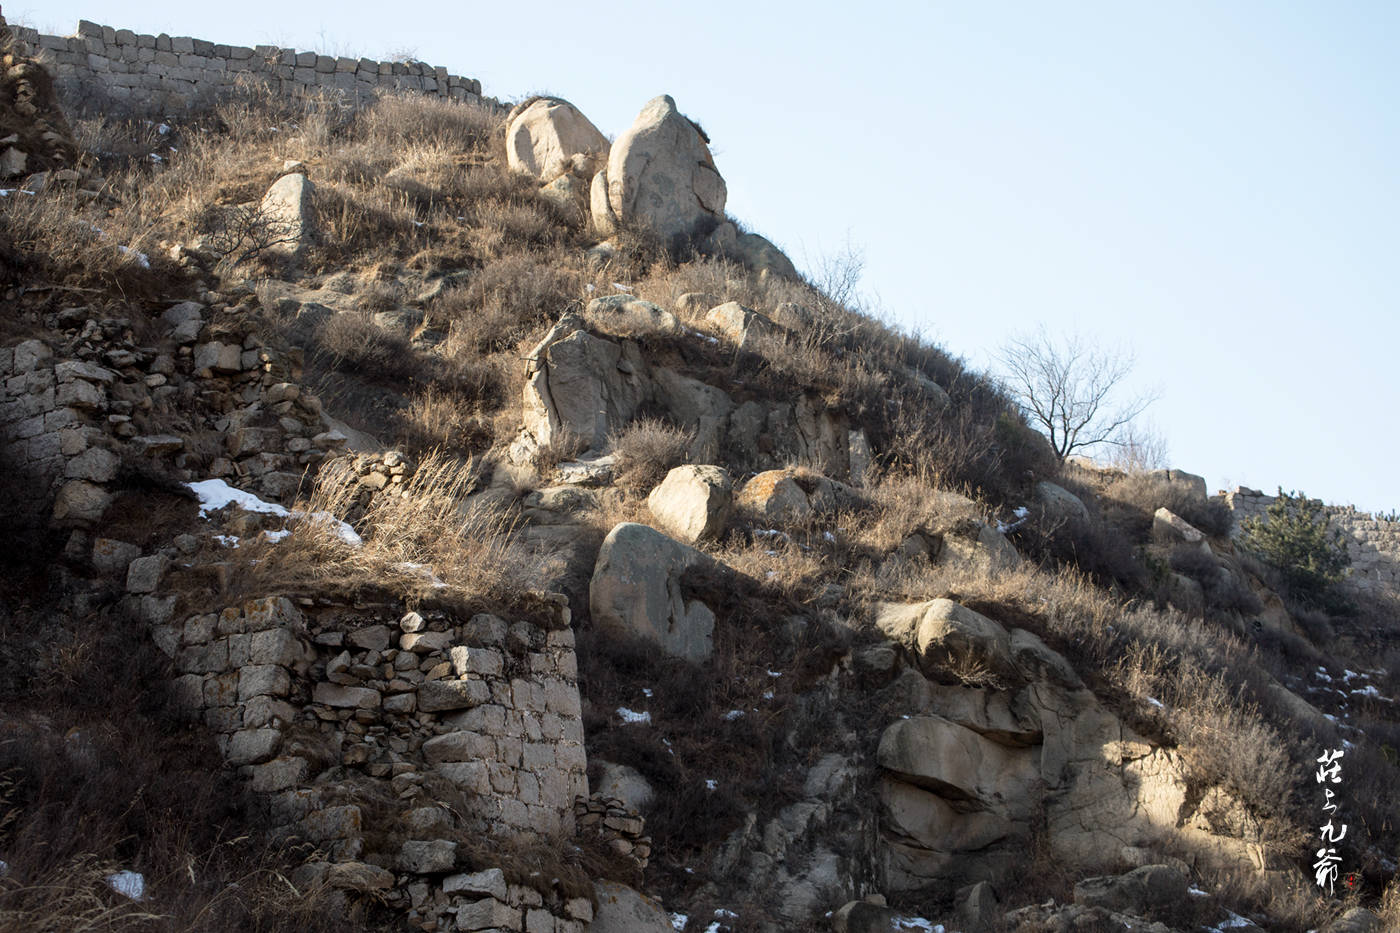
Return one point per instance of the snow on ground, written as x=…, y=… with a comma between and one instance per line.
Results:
x=917, y=923
x=678, y=921
x=1156, y=702
x=632, y=716
x=130, y=883
x=215, y=494
x=733, y=715
x=711, y=784
x=1197, y=892
x=1234, y=921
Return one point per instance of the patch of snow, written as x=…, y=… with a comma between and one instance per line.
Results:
x=142, y=259
x=678, y=921
x=1021, y=513
x=1348, y=675
x=632, y=716
x=768, y=694
x=129, y=883
x=667, y=742
x=1156, y=702
x=621, y=287
x=917, y=923
x=1370, y=691
x=768, y=533
x=227, y=540
x=1197, y=892
x=711, y=784
x=215, y=494
x=4, y=867
x=1235, y=921
x=712, y=928
x=646, y=692
x=775, y=673
x=420, y=570
x=163, y=129
x=1329, y=717
x=589, y=287
x=726, y=914
x=733, y=715
x=829, y=536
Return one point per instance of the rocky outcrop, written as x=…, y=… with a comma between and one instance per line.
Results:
x=637, y=592
x=623, y=910
x=543, y=134
x=579, y=388
x=660, y=176
x=1014, y=732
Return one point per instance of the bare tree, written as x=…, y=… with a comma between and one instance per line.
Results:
x=1066, y=389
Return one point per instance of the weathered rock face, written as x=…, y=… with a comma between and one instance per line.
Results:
x=1168, y=528
x=287, y=206
x=751, y=250
x=636, y=592
x=1181, y=483
x=963, y=776
x=626, y=316
x=622, y=910
x=580, y=386
x=980, y=547
x=693, y=503
x=543, y=135
x=660, y=175
x=1061, y=502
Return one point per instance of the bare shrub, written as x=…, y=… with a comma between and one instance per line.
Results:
x=448, y=420
x=352, y=342
x=506, y=301
x=398, y=119
x=244, y=232
x=646, y=451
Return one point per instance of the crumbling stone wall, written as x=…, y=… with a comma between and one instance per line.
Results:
x=473, y=726
x=70, y=407
x=1372, y=543
x=173, y=74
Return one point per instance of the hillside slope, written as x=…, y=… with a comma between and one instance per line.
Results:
x=434, y=515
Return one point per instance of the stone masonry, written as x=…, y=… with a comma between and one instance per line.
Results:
x=388, y=739
x=170, y=75
x=1372, y=543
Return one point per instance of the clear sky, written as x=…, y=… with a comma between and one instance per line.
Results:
x=1213, y=185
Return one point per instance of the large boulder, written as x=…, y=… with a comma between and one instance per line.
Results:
x=1181, y=484
x=743, y=326
x=751, y=250
x=660, y=176
x=579, y=387
x=774, y=496
x=543, y=134
x=978, y=547
x=636, y=592
x=287, y=208
x=622, y=910
x=693, y=502
x=625, y=316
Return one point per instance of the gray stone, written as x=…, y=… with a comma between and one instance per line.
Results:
x=113, y=557
x=143, y=574
x=625, y=316
x=489, y=883
x=253, y=746
x=437, y=695
x=488, y=914
x=287, y=205
x=622, y=910
x=660, y=175
x=626, y=784
x=425, y=857
x=635, y=591
x=342, y=697
x=96, y=465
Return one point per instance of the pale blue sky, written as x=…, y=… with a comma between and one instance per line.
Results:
x=1211, y=184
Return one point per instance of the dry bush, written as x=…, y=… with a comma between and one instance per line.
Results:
x=57, y=239
x=646, y=451
x=508, y=300
x=1130, y=500
x=425, y=538
x=903, y=504
x=416, y=119
x=451, y=421
x=352, y=342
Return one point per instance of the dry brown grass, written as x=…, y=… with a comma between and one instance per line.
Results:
x=509, y=300
x=646, y=450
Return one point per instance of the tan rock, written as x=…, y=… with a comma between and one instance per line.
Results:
x=693, y=503
x=774, y=496
x=660, y=175
x=543, y=135
x=622, y=910
x=287, y=207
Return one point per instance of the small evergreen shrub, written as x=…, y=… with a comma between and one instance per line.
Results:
x=1293, y=537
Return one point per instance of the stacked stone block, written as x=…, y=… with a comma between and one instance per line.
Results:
x=172, y=74
x=1372, y=543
